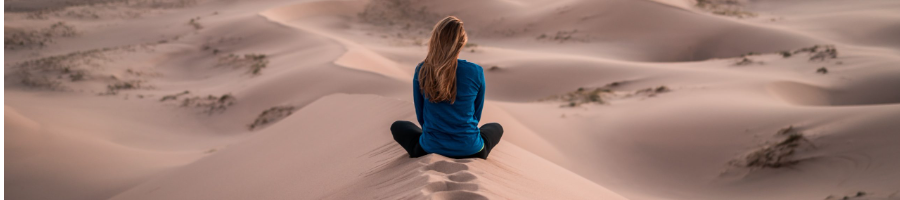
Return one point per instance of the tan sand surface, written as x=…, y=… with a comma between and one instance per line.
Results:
x=599, y=99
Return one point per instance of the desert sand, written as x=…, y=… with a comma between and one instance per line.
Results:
x=599, y=99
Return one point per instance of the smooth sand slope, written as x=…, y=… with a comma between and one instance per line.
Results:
x=316, y=144
x=599, y=99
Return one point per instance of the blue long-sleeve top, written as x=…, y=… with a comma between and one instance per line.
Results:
x=452, y=129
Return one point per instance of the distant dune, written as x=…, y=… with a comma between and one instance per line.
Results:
x=599, y=99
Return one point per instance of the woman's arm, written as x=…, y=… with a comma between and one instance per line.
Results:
x=479, y=100
x=417, y=97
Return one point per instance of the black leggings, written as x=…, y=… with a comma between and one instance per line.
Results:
x=407, y=134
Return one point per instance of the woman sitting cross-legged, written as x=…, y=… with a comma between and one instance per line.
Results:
x=449, y=96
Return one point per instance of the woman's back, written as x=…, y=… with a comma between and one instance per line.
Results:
x=452, y=128
x=449, y=95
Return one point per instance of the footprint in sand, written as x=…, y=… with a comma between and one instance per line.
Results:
x=440, y=186
x=462, y=176
x=457, y=195
x=446, y=167
x=455, y=182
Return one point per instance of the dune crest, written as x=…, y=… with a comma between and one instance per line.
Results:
x=356, y=57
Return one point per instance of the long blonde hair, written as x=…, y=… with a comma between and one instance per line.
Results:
x=437, y=76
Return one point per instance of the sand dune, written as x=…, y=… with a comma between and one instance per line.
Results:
x=611, y=99
x=302, y=148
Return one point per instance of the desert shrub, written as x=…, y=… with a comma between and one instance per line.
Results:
x=601, y=95
x=724, y=7
x=785, y=54
x=580, y=96
x=272, y=115
x=174, y=96
x=33, y=81
x=115, y=87
x=659, y=89
x=564, y=36
x=652, y=91
x=161, y=4
x=744, y=61
x=39, y=14
x=779, y=154
x=255, y=62
x=210, y=104
x=829, y=53
x=259, y=62
x=817, y=52
x=811, y=49
x=399, y=13
x=48, y=72
x=615, y=84
x=18, y=38
x=195, y=22
x=494, y=68
x=55, y=72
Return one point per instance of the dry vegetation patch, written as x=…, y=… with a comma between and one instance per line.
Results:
x=858, y=195
x=272, y=115
x=255, y=62
x=15, y=38
x=195, y=22
x=61, y=72
x=744, y=61
x=94, y=9
x=580, y=96
x=601, y=95
x=651, y=92
x=399, y=14
x=115, y=87
x=161, y=4
x=174, y=96
x=494, y=68
x=210, y=104
x=815, y=53
x=778, y=154
x=472, y=47
x=564, y=36
x=26, y=6
x=733, y=8
x=51, y=72
x=215, y=46
x=827, y=52
x=403, y=22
